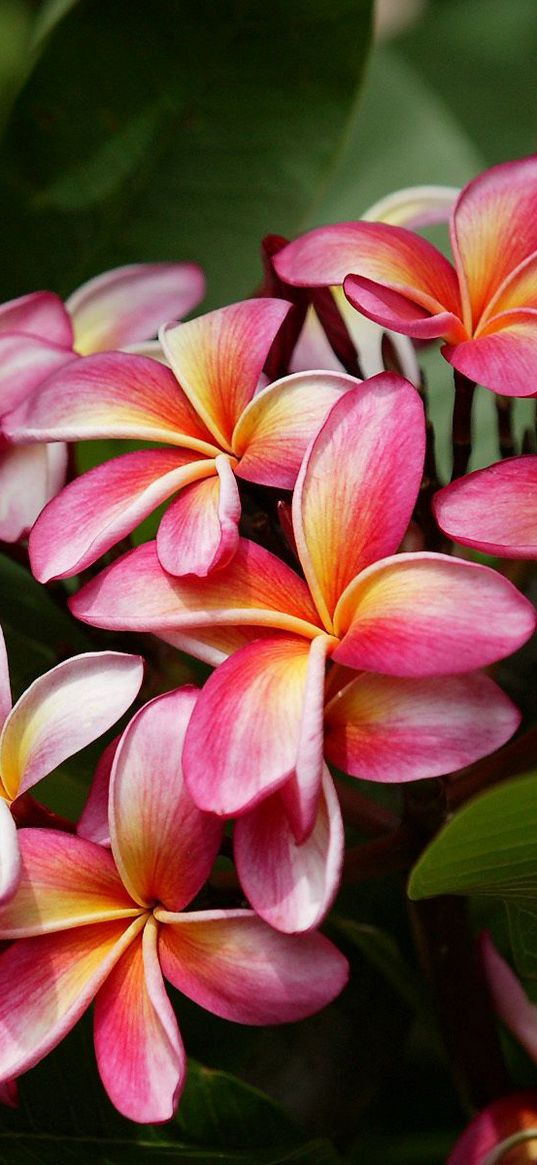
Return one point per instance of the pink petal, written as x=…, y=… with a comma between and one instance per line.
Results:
x=93, y=822
x=10, y=859
x=46, y=984
x=368, y=338
x=429, y=614
x=493, y=509
x=244, y=736
x=128, y=304
x=276, y=428
x=139, y=1051
x=62, y=712
x=255, y=588
x=290, y=885
x=372, y=444
x=25, y=363
x=392, y=309
x=393, y=730
x=164, y=847
x=200, y=531
x=96, y=510
x=504, y=358
x=30, y=476
x=213, y=644
x=110, y=395
x=507, y=1122
x=233, y=964
x=218, y=359
x=65, y=882
x=5, y=686
x=42, y=314
x=511, y=1003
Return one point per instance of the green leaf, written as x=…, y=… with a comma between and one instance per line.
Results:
x=382, y=951
x=218, y=1109
x=179, y=131
x=522, y=917
x=490, y=847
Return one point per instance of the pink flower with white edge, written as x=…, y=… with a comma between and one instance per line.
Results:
x=39, y=334
x=493, y=509
x=60, y=713
x=213, y=423
x=421, y=623
x=94, y=925
x=504, y=1133
x=484, y=307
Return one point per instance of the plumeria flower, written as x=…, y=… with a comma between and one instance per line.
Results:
x=260, y=720
x=493, y=509
x=40, y=334
x=484, y=307
x=107, y=926
x=214, y=427
x=504, y=1133
x=60, y=713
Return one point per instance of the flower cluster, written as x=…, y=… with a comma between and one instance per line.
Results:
x=294, y=558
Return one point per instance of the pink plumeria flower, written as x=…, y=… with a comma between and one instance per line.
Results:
x=504, y=1133
x=261, y=718
x=94, y=925
x=484, y=307
x=493, y=509
x=214, y=427
x=60, y=713
x=40, y=334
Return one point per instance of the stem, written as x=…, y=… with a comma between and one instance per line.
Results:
x=462, y=424
x=385, y=855
x=361, y=813
x=504, y=414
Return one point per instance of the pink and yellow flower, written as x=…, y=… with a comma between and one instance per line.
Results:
x=504, y=1133
x=264, y=716
x=39, y=334
x=94, y=925
x=493, y=509
x=60, y=713
x=484, y=307
x=214, y=425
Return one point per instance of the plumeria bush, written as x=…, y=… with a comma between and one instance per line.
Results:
x=268, y=751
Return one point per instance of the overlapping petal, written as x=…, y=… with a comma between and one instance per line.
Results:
x=25, y=362
x=96, y=510
x=137, y=1043
x=163, y=845
x=218, y=359
x=64, y=710
x=386, y=729
x=504, y=357
x=200, y=530
x=236, y=966
x=41, y=313
x=414, y=206
x=128, y=304
x=393, y=309
x=429, y=614
x=493, y=509
x=511, y=1003
x=5, y=686
x=93, y=822
x=290, y=885
x=372, y=445
x=507, y=1126
x=10, y=860
x=30, y=475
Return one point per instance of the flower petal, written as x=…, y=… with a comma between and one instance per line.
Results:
x=428, y=614
x=369, y=340
x=218, y=359
x=504, y=357
x=290, y=885
x=163, y=845
x=96, y=510
x=493, y=509
x=65, y=882
x=414, y=206
x=233, y=964
x=128, y=304
x=93, y=822
x=273, y=433
x=510, y=1000
x=139, y=1052
x=200, y=530
x=10, y=858
x=5, y=686
x=372, y=443
x=213, y=644
x=502, y=1125
x=112, y=394
x=393, y=309
x=393, y=730
x=256, y=588
x=25, y=362
x=41, y=313
x=62, y=712
x=243, y=739
x=30, y=476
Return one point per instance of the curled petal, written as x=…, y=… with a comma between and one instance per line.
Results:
x=30, y=475
x=429, y=614
x=200, y=530
x=400, y=312
x=504, y=357
x=218, y=359
x=139, y=1052
x=290, y=885
x=10, y=858
x=41, y=313
x=46, y=984
x=369, y=339
x=96, y=510
x=385, y=729
x=493, y=509
x=62, y=712
x=128, y=304
x=233, y=964
x=163, y=845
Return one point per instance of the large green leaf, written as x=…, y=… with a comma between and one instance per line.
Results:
x=178, y=131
